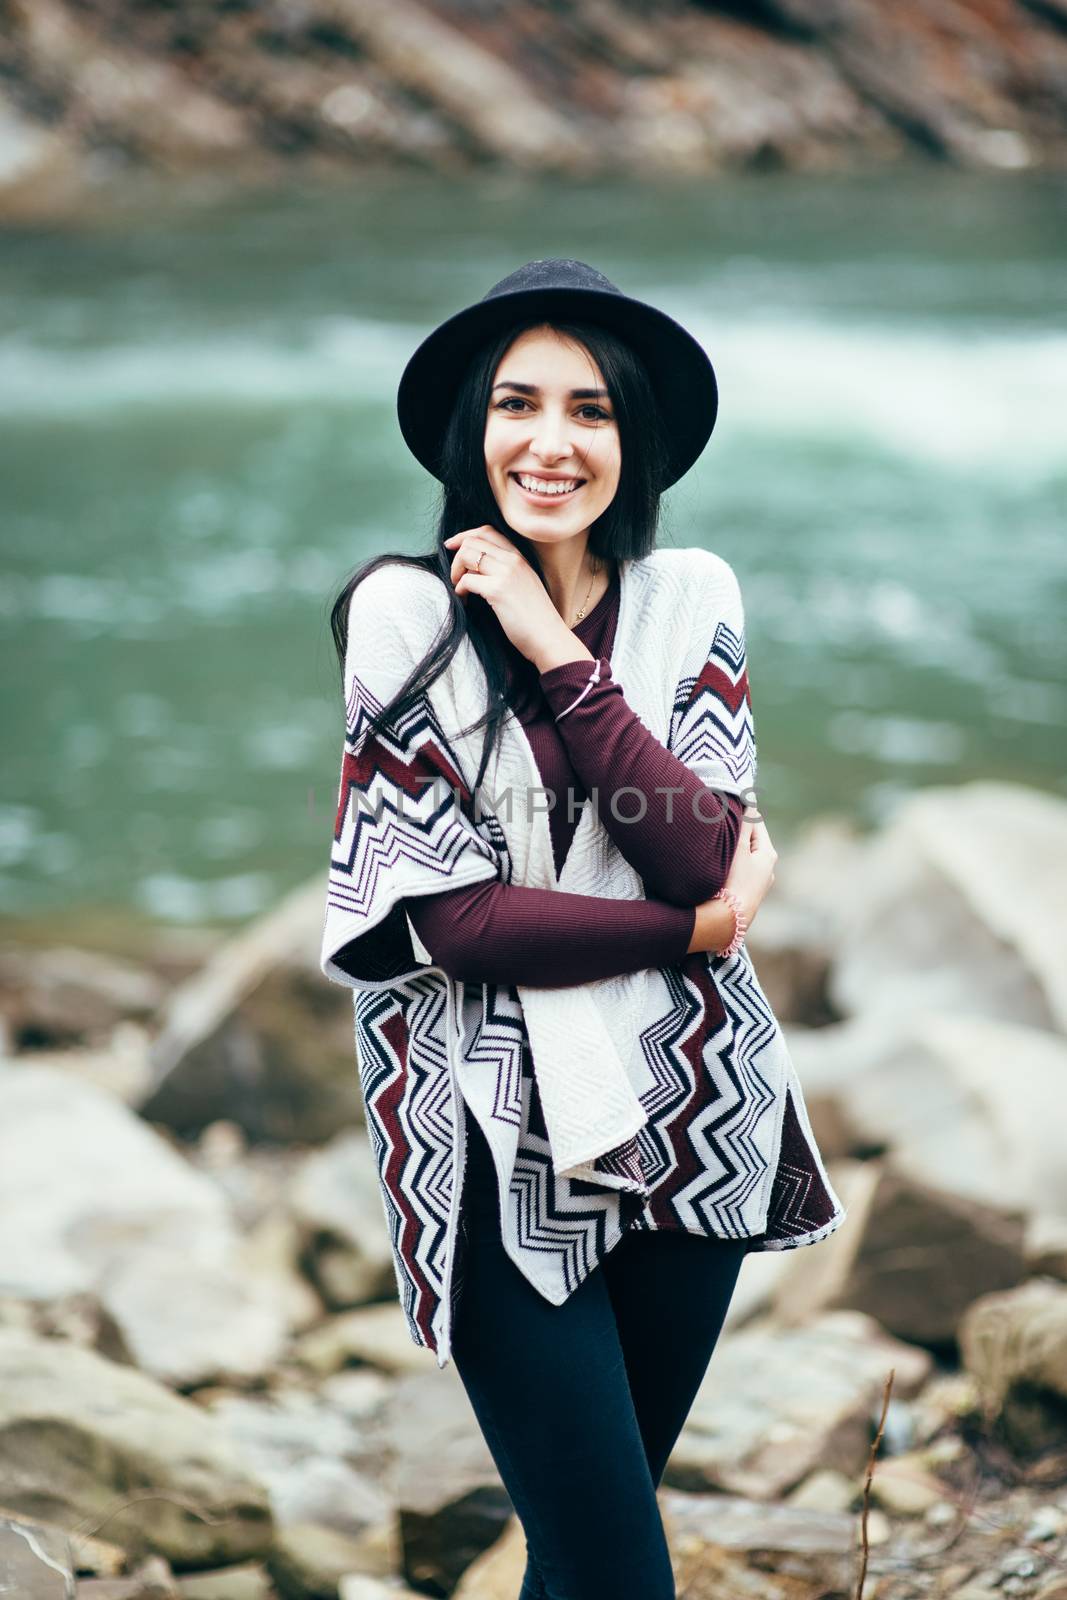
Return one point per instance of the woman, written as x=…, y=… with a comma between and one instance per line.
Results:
x=582, y=1107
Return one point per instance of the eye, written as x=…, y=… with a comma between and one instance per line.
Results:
x=600, y=415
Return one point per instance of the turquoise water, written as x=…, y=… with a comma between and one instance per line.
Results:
x=198, y=443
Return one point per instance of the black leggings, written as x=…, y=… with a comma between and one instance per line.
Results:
x=581, y=1404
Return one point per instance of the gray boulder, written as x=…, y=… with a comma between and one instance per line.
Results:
x=85, y=1440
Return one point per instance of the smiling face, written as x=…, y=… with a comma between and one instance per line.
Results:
x=551, y=439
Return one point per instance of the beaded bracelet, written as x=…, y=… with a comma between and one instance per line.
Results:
x=740, y=921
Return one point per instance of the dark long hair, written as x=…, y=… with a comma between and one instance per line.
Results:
x=624, y=531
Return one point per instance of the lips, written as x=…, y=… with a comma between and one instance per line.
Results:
x=545, y=498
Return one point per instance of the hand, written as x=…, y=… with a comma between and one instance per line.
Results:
x=752, y=869
x=749, y=878
x=508, y=583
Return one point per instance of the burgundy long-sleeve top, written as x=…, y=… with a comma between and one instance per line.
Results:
x=681, y=847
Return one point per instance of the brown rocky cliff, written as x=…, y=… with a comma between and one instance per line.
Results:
x=596, y=86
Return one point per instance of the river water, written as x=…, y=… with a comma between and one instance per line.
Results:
x=198, y=443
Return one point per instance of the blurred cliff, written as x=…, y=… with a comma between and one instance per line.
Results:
x=248, y=88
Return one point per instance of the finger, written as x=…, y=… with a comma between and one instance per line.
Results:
x=459, y=541
x=472, y=583
x=485, y=531
x=466, y=558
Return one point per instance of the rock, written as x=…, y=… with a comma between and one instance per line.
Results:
x=308, y=1562
x=1020, y=1108
x=41, y=168
x=497, y=1574
x=375, y=1335
x=722, y=104
x=121, y=95
x=1048, y=1522
x=444, y=66
x=813, y=1546
x=152, y=1581
x=1046, y=1246
x=930, y=1089
x=778, y=1403
x=758, y=1284
x=190, y=1328
x=825, y=1490
x=913, y=1257
x=63, y=996
x=952, y=910
x=441, y=1477
x=269, y=1253
x=898, y=1429
x=120, y=1068
x=250, y=1581
x=77, y=1431
x=790, y=949
x=254, y=1179
x=380, y=1555
x=1015, y=1345
x=815, y=875
x=35, y=1560
x=946, y=1401
x=904, y=1486
x=358, y=1586
x=83, y=1184
x=359, y=1393
x=942, y=1452
x=96, y=1202
x=87, y=1556
x=233, y=1040
x=337, y=1201
x=834, y=1064
x=314, y=1460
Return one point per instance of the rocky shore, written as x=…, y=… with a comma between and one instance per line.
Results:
x=103, y=90
x=207, y=1388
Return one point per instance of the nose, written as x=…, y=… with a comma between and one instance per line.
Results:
x=550, y=441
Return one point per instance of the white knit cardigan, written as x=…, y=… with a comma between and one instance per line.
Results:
x=679, y=655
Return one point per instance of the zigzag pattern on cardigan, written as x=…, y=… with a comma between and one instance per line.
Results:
x=378, y=786
x=712, y=717
x=713, y=1077
x=409, y=1112
x=694, y=1144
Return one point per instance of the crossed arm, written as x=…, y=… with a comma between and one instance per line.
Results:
x=679, y=835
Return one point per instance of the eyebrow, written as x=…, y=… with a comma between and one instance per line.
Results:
x=531, y=388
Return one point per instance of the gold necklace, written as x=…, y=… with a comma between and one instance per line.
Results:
x=588, y=592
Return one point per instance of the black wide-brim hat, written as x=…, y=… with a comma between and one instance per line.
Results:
x=679, y=368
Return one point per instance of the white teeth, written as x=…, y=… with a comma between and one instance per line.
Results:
x=546, y=485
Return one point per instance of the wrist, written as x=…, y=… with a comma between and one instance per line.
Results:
x=729, y=898
x=563, y=651
x=714, y=925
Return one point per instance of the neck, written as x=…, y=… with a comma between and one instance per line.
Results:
x=568, y=569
